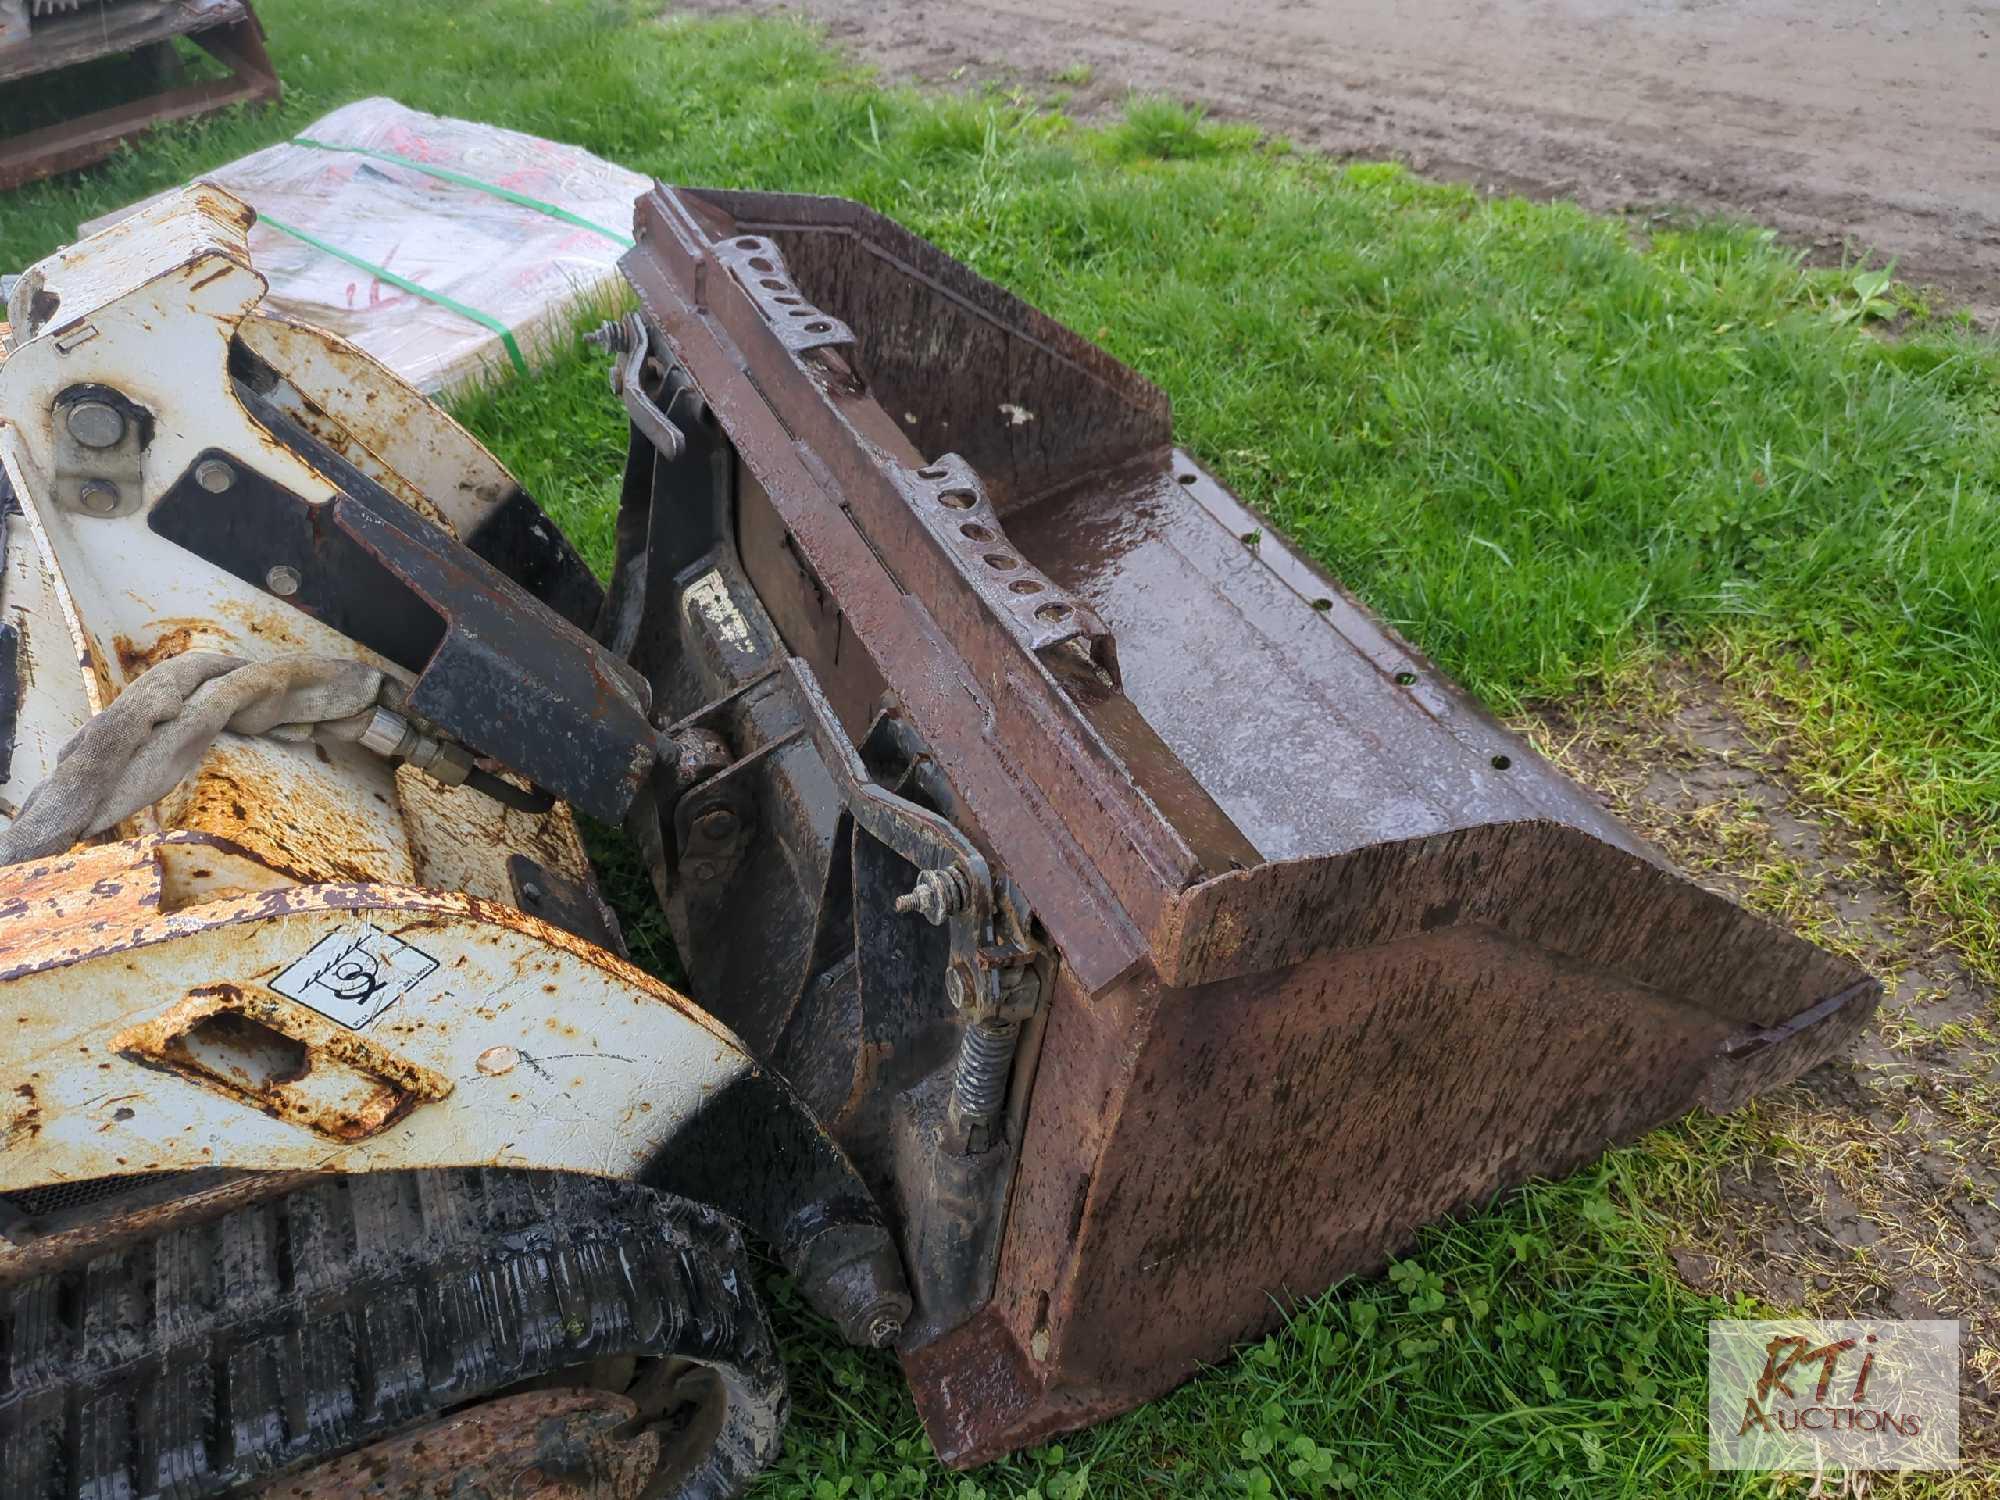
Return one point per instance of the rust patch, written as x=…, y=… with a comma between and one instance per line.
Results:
x=99, y=671
x=243, y=798
x=26, y=1121
x=58, y=909
x=196, y=873
x=134, y=659
x=461, y=841
x=265, y=622
x=285, y=1060
x=540, y=1445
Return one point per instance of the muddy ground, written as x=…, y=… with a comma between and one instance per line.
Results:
x=1845, y=124
x=1872, y=1187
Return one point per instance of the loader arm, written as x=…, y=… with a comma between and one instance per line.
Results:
x=374, y=956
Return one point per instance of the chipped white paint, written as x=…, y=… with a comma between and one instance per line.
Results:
x=607, y=1062
x=168, y=292
x=178, y=1001
x=55, y=698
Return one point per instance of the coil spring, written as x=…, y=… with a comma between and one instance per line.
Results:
x=985, y=1058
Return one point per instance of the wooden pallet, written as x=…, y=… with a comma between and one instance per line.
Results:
x=226, y=29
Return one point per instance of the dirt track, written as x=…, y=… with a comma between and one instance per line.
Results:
x=1836, y=121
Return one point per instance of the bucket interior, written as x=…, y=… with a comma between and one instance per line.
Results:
x=1313, y=728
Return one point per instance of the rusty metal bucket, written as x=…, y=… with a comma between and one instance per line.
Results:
x=1334, y=953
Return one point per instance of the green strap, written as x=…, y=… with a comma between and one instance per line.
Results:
x=383, y=273
x=463, y=180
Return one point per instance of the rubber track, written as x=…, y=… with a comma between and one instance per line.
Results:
x=221, y=1353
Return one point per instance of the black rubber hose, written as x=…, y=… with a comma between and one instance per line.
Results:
x=503, y=791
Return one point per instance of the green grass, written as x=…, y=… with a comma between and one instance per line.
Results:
x=1544, y=449
x=1534, y=1350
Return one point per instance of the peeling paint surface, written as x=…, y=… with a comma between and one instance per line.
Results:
x=110, y=1005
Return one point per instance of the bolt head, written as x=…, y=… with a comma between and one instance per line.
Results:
x=883, y=1330
x=96, y=424
x=705, y=870
x=98, y=496
x=716, y=823
x=213, y=475
x=283, y=581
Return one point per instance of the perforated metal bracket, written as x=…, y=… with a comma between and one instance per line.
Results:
x=755, y=262
x=949, y=500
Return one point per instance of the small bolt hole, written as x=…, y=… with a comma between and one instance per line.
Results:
x=934, y=472
x=958, y=499
x=772, y=284
x=1025, y=586
x=760, y=264
x=1502, y=762
x=1185, y=478
x=1322, y=605
x=787, y=302
x=1406, y=679
x=972, y=531
x=1054, y=612
x=1000, y=562
x=748, y=244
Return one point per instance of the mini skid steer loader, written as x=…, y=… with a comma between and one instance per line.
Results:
x=1099, y=929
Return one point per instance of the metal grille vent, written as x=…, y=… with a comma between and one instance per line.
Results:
x=67, y=1197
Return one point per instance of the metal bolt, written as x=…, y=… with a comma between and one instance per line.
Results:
x=282, y=581
x=936, y=895
x=614, y=337
x=96, y=424
x=883, y=1330
x=215, y=476
x=531, y=893
x=98, y=496
x=716, y=823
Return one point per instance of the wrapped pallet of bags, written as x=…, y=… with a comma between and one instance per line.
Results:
x=449, y=250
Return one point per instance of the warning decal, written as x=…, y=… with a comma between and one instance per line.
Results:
x=353, y=975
